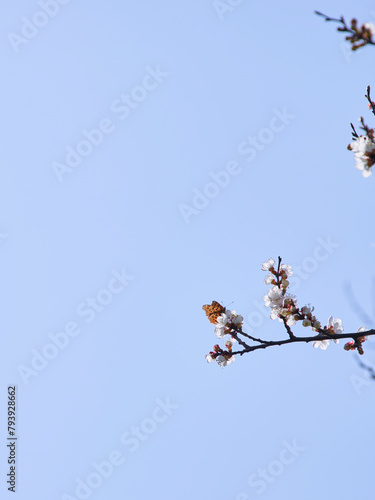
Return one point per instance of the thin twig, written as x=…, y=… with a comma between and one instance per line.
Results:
x=288, y=329
x=241, y=342
x=247, y=335
x=368, y=97
x=354, y=133
x=340, y=21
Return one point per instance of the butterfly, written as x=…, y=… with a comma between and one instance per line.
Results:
x=213, y=311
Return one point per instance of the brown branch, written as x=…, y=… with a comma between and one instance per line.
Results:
x=345, y=28
x=362, y=35
x=238, y=330
x=319, y=337
x=241, y=342
x=368, y=97
x=288, y=329
x=354, y=132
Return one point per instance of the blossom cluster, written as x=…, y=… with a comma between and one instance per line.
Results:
x=363, y=145
x=360, y=36
x=226, y=323
x=284, y=305
x=364, y=154
x=223, y=358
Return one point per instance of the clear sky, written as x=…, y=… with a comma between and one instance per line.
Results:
x=153, y=155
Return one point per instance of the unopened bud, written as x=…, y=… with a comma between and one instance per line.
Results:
x=285, y=284
x=349, y=346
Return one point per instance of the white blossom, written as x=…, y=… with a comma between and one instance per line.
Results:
x=237, y=319
x=323, y=344
x=364, y=151
x=274, y=297
x=363, y=329
x=370, y=27
x=287, y=268
x=275, y=314
x=336, y=324
x=307, y=310
x=222, y=361
x=220, y=331
x=291, y=320
x=266, y=266
x=221, y=325
x=223, y=322
x=269, y=279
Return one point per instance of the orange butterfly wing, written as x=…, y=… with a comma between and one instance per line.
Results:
x=213, y=311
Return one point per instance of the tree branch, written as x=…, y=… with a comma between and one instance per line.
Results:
x=359, y=37
x=314, y=338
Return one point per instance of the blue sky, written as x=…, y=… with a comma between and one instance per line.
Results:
x=132, y=194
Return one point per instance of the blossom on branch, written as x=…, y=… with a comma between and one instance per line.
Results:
x=364, y=145
x=335, y=325
x=359, y=36
x=284, y=307
x=223, y=358
x=224, y=361
x=370, y=27
x=282, y=304
x=323, y=344
x=225, y=323
x=364, y=154
x=268, y=265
